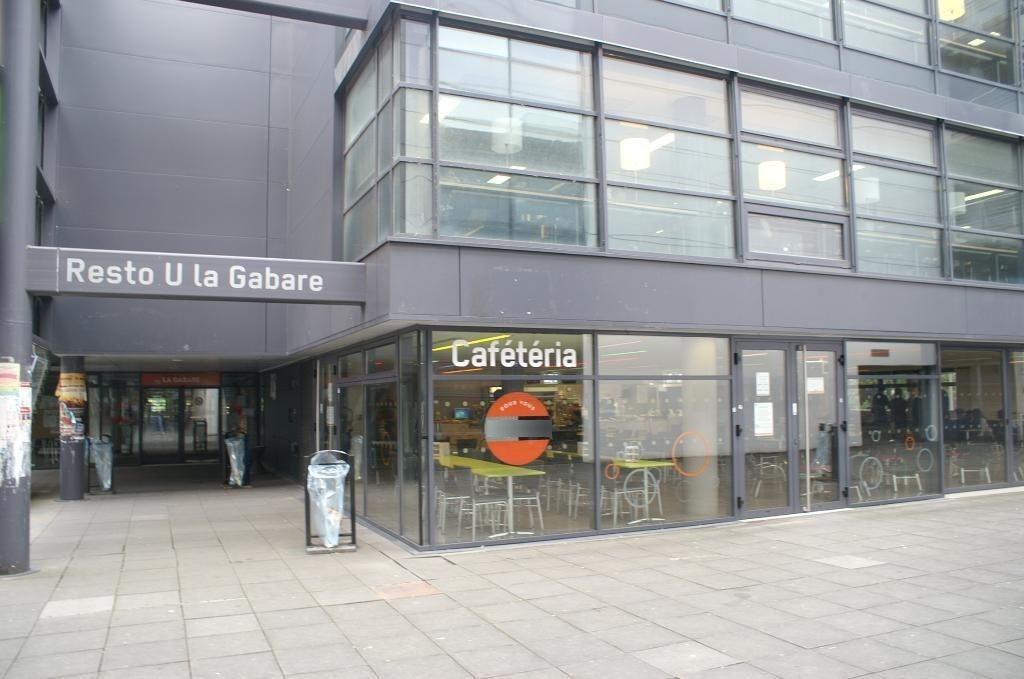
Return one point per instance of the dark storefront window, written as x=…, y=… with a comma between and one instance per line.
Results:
x=973, y=417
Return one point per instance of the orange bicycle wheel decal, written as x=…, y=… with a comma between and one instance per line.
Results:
x=707, y=455
x=612, y=465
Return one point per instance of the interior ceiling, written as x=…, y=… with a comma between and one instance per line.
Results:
x=128, y=363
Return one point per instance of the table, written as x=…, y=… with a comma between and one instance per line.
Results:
x=494, y=470
x=646, y=466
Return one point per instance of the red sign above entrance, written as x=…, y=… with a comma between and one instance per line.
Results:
x=181, y=379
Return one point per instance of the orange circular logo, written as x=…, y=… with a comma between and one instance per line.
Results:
x=517, y=428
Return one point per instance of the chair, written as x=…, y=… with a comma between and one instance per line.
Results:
x=530, y=500
x=490, y=510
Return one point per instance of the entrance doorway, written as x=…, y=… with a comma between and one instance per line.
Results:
x=789, y=427
x=180, y=424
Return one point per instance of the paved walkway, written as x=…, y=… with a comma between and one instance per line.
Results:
x=214, y=583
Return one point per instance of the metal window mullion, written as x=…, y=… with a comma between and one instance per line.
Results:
x=845, y=134
x=671, y=190
x=945, y=213
x=735, y=125
x=601, y=160
x=668, y=126
x=530, y=173
x=512, y=101
x=895, y=164
x=793, y=145
x=435, y=134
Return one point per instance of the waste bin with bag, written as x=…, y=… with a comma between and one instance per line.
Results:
x=236, y=458
x=326, y=478
x=101, y=454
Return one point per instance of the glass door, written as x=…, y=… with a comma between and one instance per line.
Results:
x=202, y=424
x=763, y=430
x=820, y=429
x=161, y=425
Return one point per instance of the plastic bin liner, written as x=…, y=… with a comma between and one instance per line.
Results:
x=236, y=456
x=102, y=452
x=325, y=481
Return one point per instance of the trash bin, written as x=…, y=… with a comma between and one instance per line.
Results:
x=236, y=457
x=101, y=450
x=325, y=481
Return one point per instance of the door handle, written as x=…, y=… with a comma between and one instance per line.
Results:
x=739, y=430
x=843, y=425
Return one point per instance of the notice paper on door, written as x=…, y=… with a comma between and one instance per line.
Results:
x=764, y=419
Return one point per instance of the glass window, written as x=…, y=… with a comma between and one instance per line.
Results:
x=662, y=355
x=414, y=188
x=386, y=206
x=985, y=16
x=666, y=451
x=455, y=352
x=490, y=64
x=380, y=359
x=412, y=133
x=896, y=194
x=385, y=67
x=385, y=128
x=893, y=34
x=359, y=228
x=517, y=137
x=892, y=140
x=516, y=207
x=669, y=223
x=879, y=358
x=360, y=165
x=987, y=258
x=977, y=206
x=360, y=101
x=793, y=178
x=635, y=90
x=771, y=234
x=653, y=155
x=351, y=365
x=970, y=54
x=779, y=117
x=415, y=58
x=1016, y=419
x=973, y=419
x=487, y=461
x=411, y=422
x=918, y=6
x=812, y=17
x=899, y=249
x=980, y=157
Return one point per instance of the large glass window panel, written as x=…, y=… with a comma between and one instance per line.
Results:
x=352, y=437
x=457, y=352
x=892, y=140
x=411, y=421
x=666, y=451
x=380, y=359
x=490, y=64
x=385, y=67
x=383, y=477
x=918, y=6
x=413, y=191
x=662, y=355
x=892, y=437
x=518, y=137
x=483, y=493
x=515, y=207
x=412, y=133
x=988, y=208
x=972, y=155
x=988, y=258
x=1016, y=417
x=883, y=31
x=973, y=417
x=386, y=207
x=973, y=55
x=653, y=155
x=985, y=16
x=885, y=192
x=812, y=17
x=385, y=128
x=771, y=234
x=780, y=117
x=414, y=64
x=360, y=165
x=359, y=227
x=882, y=358
x=634, y=90
x=792, y=177
x=360, y=101
x=899, y=249
x=669, y=223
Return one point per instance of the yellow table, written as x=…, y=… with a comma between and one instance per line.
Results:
x=644, y=466
x=495, y=470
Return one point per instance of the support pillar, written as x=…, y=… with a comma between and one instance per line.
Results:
x=71, y=391
x=21, y=136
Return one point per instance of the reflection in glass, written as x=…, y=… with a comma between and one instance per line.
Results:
x=413, y=190
x=988, y=258
x=634, y=90
x=644, y=154
x=892, y=437
x=893, y=34
x=771, y=234
x=765, y=429
x=412, y=124
x=359, y=227
x=361, y=101
x=892, y=140
x=360, y=166
x=383, y=481
x=780, y=117
x=415, y=59
x=665, y=451
x=161, y=425
x=662, y=355
x=1016, y=419
x=973, y=419
x=899, y=249
x=113, y=412
x=896, y=194
x=380, y=359
x=970, y=54
x=413, y=461
x=817, y=457
x=880, y=358
x=812, y=17
x=986, y=208
x=507, y=135
x=514, y=207
x=985, y=16
x=481, y=496
x=984, y=158
x=669, y=223
x=352, y=436
x=793, y=178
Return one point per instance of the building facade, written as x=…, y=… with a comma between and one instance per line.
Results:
x=628, y=264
